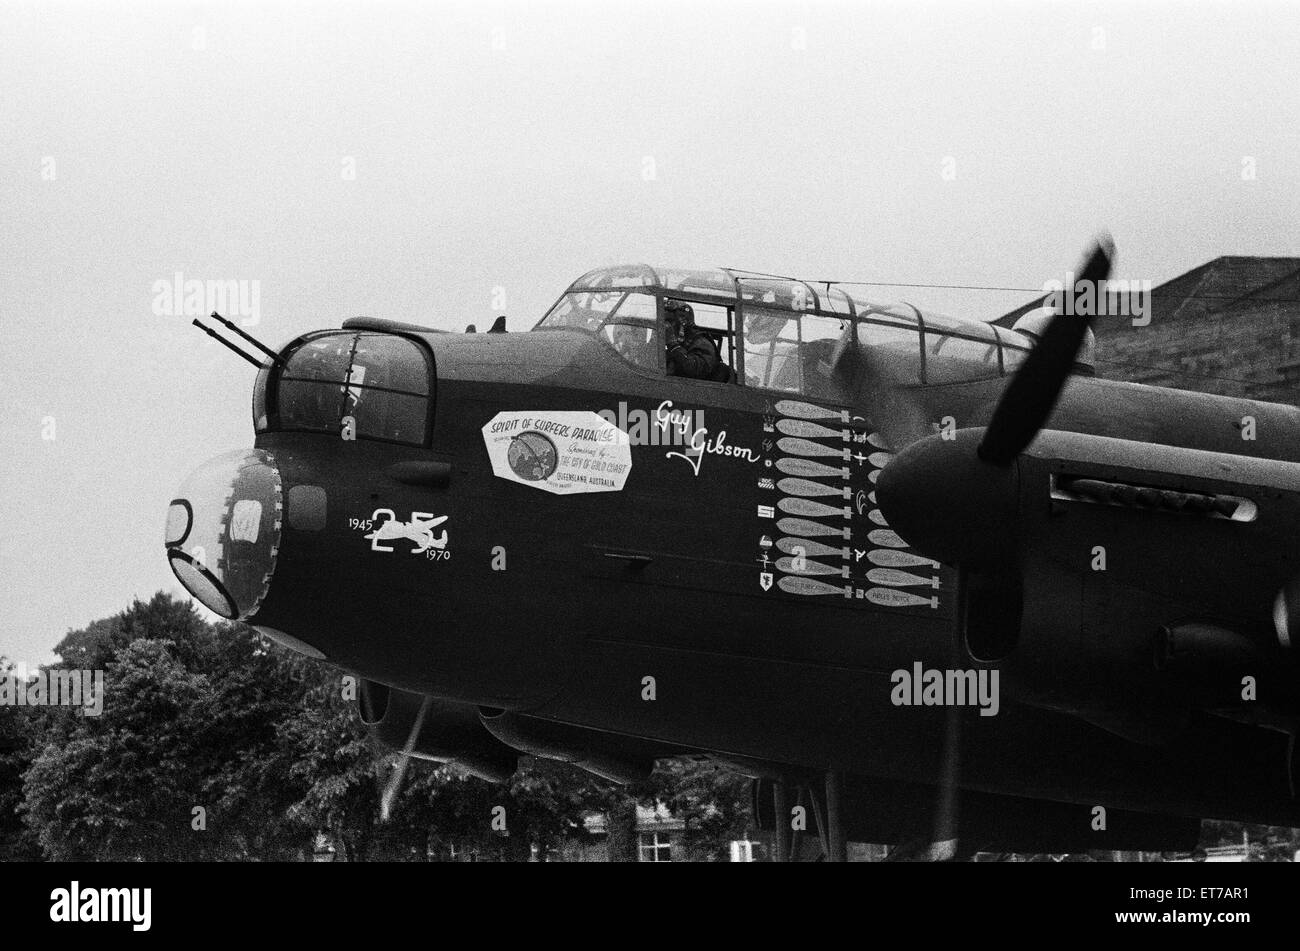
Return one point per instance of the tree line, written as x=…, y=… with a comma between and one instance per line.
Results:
x=215, y=744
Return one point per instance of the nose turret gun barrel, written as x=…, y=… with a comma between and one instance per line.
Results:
x=271, y=354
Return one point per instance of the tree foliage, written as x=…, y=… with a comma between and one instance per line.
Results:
x=216, y=744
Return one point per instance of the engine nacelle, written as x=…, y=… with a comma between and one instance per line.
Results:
x=1070, y=575
x=591, y=750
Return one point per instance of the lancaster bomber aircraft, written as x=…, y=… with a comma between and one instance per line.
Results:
x=933, y=578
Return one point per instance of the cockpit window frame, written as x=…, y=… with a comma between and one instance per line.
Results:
x=736, y=289
x=270, y=402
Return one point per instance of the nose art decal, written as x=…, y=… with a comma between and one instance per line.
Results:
x=559, y=452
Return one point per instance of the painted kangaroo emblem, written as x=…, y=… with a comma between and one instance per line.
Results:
x=419, y=530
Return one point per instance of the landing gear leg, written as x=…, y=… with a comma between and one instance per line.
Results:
x=781, y=824
x=819, y=815
x=827, y=812
x=837, y=848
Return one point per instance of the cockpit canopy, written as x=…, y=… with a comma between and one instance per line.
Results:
x=370, y=385
x=782, y=333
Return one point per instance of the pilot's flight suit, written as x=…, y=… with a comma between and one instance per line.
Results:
x=696, y=357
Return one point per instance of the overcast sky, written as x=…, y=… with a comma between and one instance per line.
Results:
x=407, y=161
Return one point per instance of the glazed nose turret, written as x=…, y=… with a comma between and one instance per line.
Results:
x=223, y=531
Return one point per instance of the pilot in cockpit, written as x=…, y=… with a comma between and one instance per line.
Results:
x=690, y=351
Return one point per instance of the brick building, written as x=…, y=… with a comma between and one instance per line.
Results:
x=1230, y=327
x=660, y=837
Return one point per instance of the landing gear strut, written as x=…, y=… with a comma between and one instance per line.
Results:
x=837, y=849
x=828, y=812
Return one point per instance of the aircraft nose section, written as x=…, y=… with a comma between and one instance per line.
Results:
x=223, y=531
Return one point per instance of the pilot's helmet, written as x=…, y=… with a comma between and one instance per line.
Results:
x=679, y=312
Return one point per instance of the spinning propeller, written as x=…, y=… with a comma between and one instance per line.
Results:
x=957, y=506
x=1031, y=395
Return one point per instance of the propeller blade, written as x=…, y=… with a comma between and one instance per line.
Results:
x=945, y=834
x=395, y=781
x=1031, y=395
x=944, y=837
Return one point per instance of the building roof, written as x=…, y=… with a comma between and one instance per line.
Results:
x=1228, y=281
x=1219, y=285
